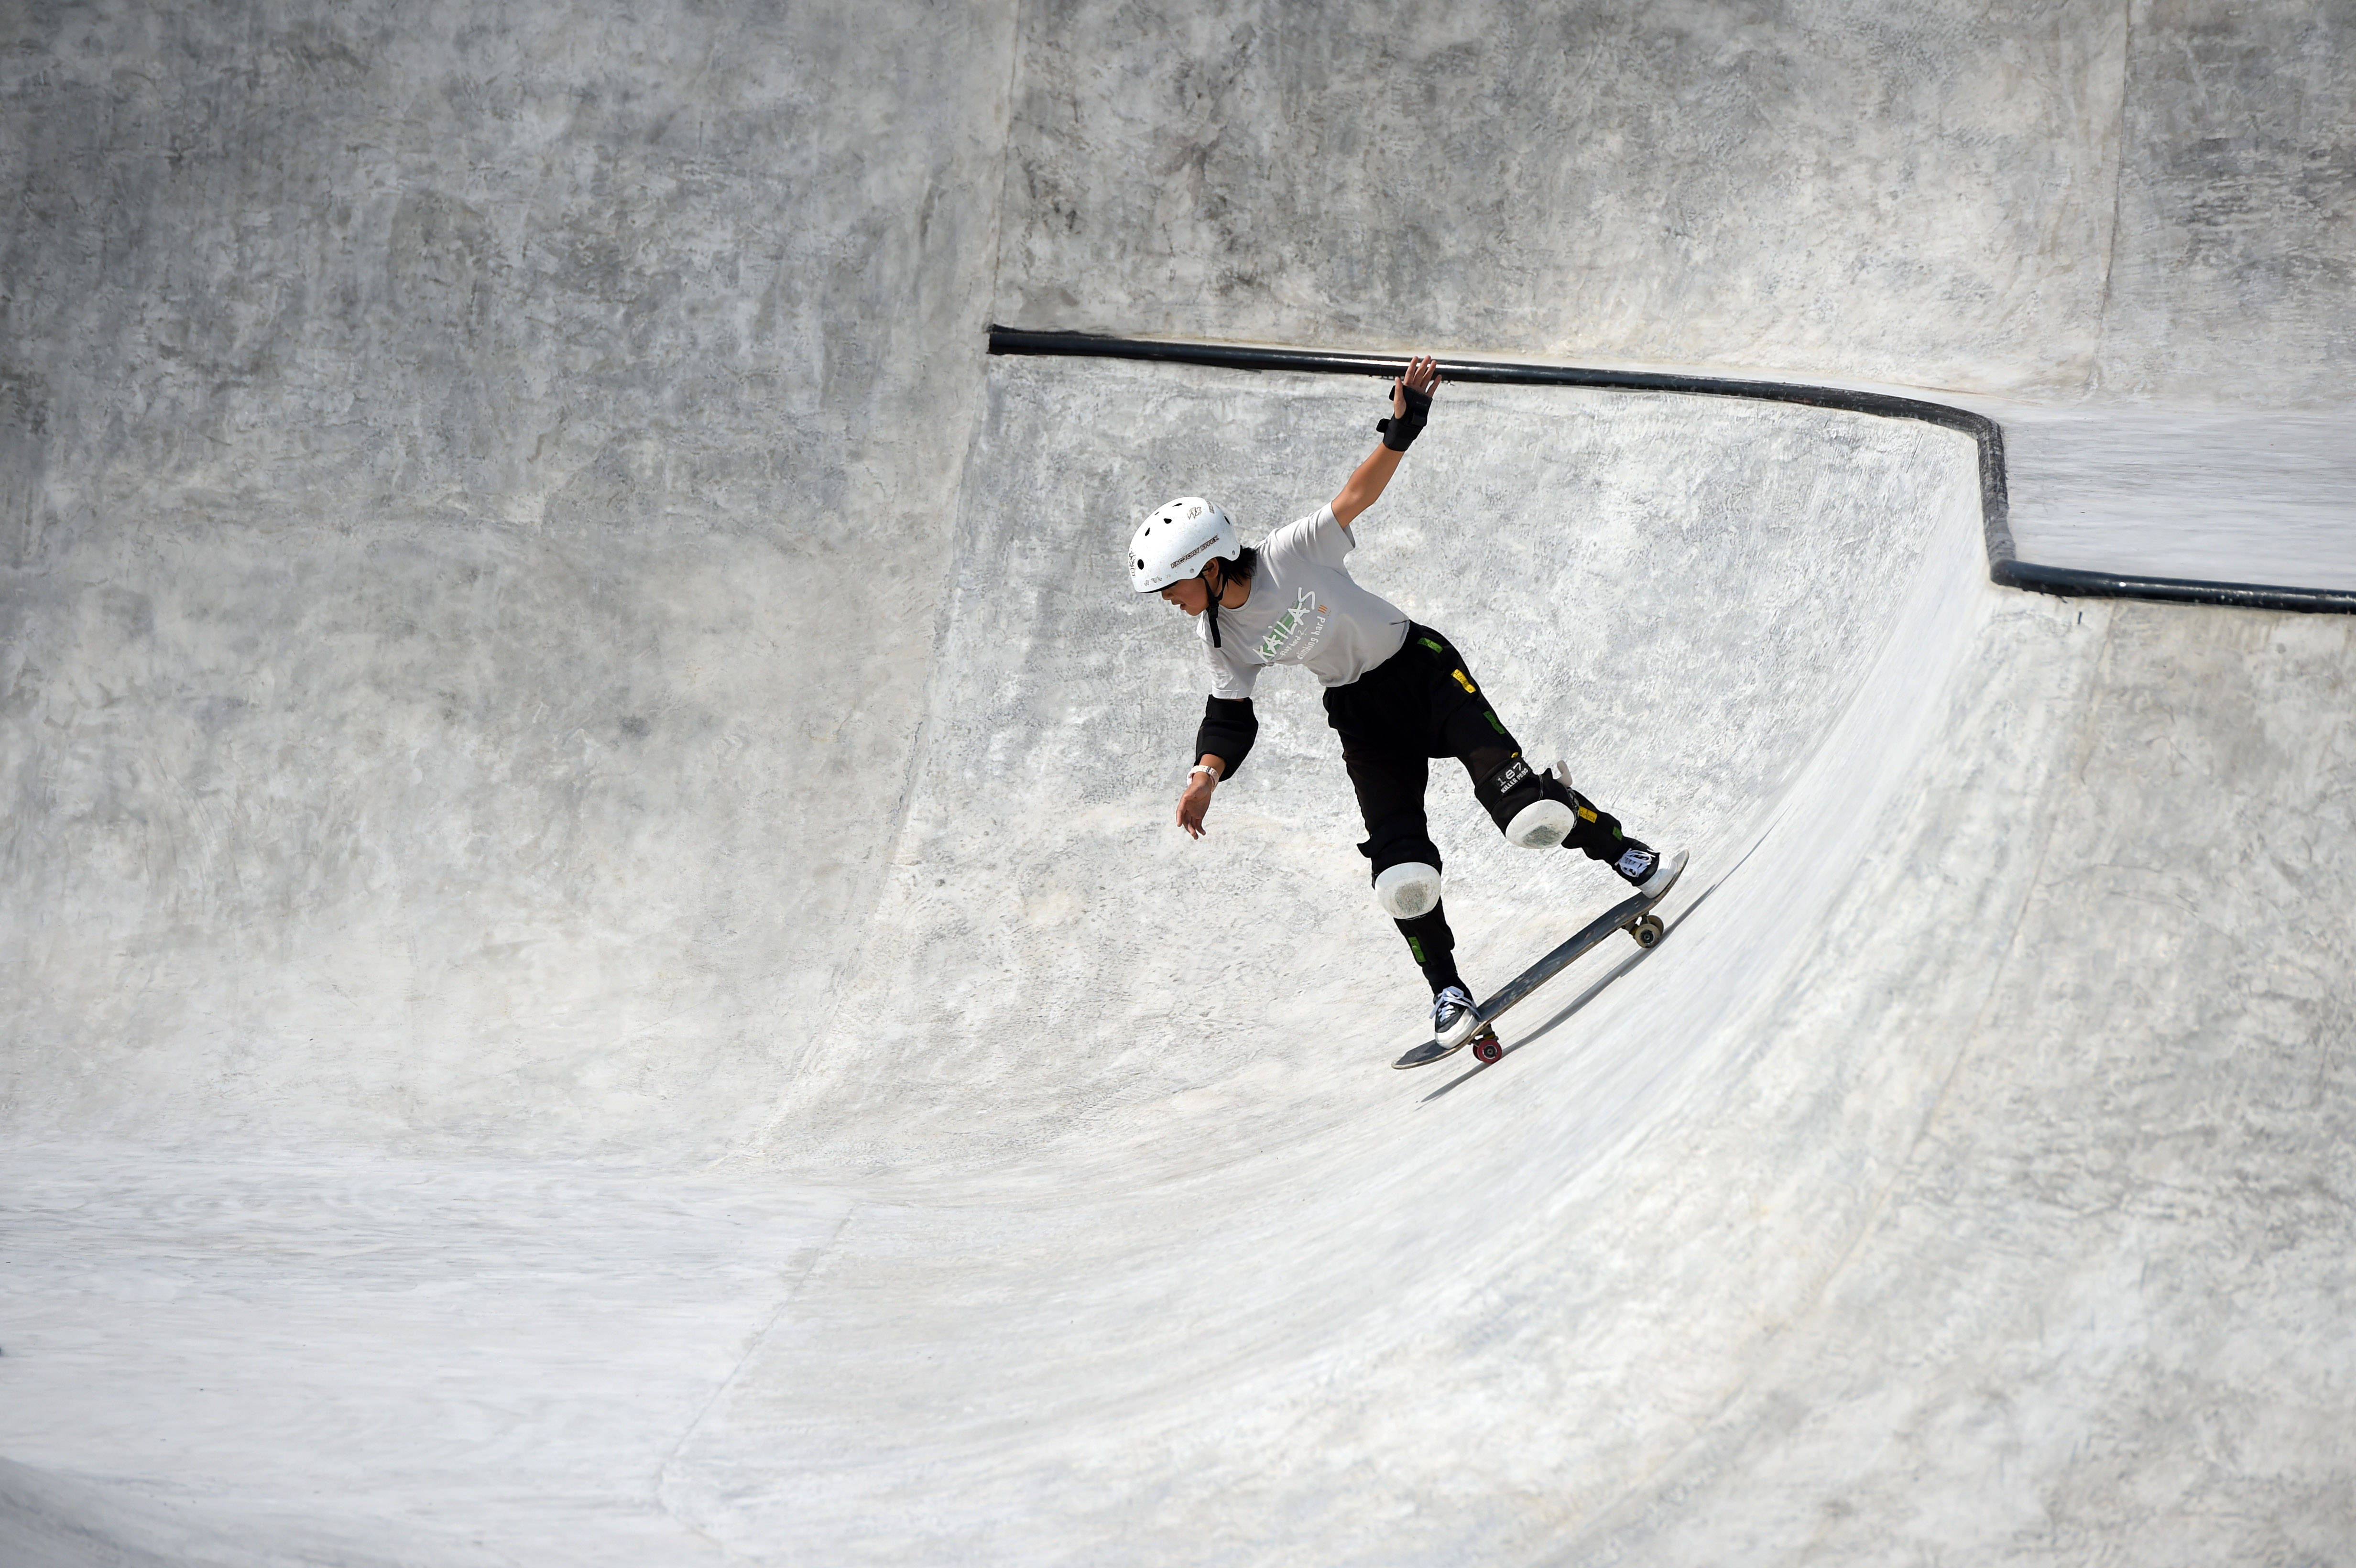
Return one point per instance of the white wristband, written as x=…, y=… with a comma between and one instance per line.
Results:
x=1203, y=768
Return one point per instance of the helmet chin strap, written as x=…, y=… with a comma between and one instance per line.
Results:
x=1217, y=595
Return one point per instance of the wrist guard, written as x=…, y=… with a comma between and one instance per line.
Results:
x=1400, y=431
x=1228, y=731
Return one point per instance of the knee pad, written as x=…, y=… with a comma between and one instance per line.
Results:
x=1531, y=809
x=1541, y=824
x=1409, y=890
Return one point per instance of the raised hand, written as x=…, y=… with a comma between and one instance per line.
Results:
x=1422, y=376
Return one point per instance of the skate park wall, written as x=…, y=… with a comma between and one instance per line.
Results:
x=465, y=460
x=538, y=652
x=262, y=813
x=431, y=437
x=2148, y=200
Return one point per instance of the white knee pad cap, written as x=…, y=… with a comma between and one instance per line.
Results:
x=1406, y=891
x=1541, y=824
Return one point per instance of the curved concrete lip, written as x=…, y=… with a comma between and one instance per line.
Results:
x=2004, y=566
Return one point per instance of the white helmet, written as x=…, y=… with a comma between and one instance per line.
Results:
x=1173, y=544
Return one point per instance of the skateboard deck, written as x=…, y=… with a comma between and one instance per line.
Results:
x=1633, y=914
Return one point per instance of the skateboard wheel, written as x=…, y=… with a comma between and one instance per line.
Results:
x=1488, y=1048
x=1646, y=931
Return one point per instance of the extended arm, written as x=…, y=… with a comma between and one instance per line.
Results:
x=1411, y=396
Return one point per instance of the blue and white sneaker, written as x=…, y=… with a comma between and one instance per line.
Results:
x=1453, y=1017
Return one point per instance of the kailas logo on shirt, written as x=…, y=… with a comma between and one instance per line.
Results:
x=1296, y=631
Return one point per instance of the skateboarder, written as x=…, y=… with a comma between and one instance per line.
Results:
x=1397, y=692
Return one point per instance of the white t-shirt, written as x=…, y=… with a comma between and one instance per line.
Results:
x=1304, y=609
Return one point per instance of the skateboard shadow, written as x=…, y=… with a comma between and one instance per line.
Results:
x=1669, y=935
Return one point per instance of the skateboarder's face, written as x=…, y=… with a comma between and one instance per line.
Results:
x=1191, y=594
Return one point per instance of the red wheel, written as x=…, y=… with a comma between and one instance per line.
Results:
x=1488, y=1048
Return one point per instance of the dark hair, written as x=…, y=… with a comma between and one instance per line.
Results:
x=1241, y=570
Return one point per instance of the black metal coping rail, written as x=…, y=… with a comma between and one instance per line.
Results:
x=2004, y=566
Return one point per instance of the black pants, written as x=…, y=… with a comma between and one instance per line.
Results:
x=1422, y=702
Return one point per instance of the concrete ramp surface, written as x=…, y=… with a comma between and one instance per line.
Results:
x=597, y=967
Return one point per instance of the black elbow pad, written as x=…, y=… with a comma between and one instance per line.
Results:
x=1229, y=729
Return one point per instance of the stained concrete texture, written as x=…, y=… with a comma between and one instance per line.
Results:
x=2153, y=198
x=433, y=432
x=2231, y=270
x=596, y=968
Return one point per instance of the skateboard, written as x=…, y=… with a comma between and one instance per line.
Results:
x=1634, y=915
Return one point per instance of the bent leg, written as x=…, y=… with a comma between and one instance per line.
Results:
x=1531, y=806
x=1398, y=836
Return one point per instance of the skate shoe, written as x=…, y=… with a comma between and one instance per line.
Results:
x=1453, y=1019
x=1644, y=868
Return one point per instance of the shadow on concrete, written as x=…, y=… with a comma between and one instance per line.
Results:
x=1668, y=933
